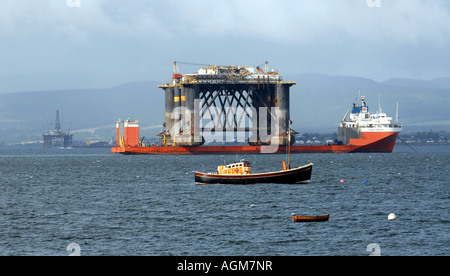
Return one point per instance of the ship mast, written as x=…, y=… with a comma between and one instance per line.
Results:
x=396, y=115
x=289, y=144
x=379, y=105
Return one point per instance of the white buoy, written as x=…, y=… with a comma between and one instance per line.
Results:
x=392, y=216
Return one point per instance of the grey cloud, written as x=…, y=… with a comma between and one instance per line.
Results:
x=113, y=41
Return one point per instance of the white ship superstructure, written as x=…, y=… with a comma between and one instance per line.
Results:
x=363, y=128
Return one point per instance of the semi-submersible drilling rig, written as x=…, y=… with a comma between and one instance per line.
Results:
x=228, y=98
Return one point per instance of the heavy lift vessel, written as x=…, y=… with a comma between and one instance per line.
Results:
x=219, y=100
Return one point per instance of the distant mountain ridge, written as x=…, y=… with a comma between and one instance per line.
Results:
x=442, y=83
x=318, y=103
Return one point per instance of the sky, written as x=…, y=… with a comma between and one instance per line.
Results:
x=72, y=44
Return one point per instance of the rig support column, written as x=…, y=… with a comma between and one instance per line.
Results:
x=191, y=125
x=183, y=108
x=176, y=111
x=282, y=104
x=168, y=124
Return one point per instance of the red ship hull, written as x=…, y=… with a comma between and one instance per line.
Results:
x=233, y=149
x=369, y=142
x=376, y=141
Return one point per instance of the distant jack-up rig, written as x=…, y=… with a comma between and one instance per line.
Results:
x=57, y=137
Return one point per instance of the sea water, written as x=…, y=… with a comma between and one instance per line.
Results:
x=95, y=202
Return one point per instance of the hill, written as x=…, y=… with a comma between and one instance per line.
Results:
x=318, y=103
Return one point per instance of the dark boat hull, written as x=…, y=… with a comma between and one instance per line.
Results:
x=292, y=176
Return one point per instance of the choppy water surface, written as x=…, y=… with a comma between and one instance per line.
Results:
x=112, y=204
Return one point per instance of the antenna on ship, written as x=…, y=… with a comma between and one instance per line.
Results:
x=396, y=115
x=379, y=105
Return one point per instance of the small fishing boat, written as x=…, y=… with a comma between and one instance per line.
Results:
x=296, y=218
x=240, y=173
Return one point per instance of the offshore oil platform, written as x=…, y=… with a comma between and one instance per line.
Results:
x=221, y=103
x=57, y=137
x=222, y=100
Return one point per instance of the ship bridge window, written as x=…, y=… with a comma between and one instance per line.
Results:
x=367, y=116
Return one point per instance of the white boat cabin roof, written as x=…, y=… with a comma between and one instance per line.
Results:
x=238, y=164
